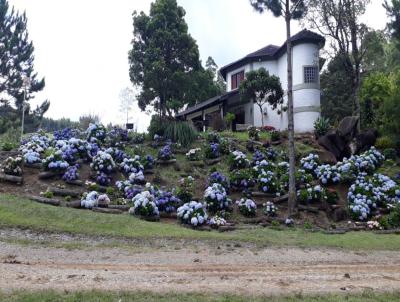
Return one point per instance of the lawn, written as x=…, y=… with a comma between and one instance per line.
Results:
x=23, y=213
x=95, y=296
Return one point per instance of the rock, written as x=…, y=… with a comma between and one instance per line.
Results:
x=308, y=209
x=121, y=207
x=75, y=182
x=327, y=157
x=73, y=204
x=48, y=174
x=250, y=146
x=49, y=201
x=214, y=161
x=348, y=127
x=106, y=210
x=335, y=144
x=339, y=214
x=64, y=192
x=365, y=140
x=12, y=178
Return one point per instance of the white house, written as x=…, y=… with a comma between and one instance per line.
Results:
x=306, y=87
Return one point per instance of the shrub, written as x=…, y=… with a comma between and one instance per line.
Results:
x=267, y=182
x=71, y=174
x=311, y=194
x=321, y=126
x=103, y=162
x=275, y=136
x=10, y=139
x=394, y=216
x=216, y=198
x=241, y=179
x=224, y=146
x=219, y=178
x=194, y=154
x=211, y=151
x=270, y=209
x=390, y=153
x=137, y=138
x=157, y=126
x=254, y=133
x=166, y=201
x=213, y=137
x=192, y=213
x=384, y=142
x=96, y=132
x=165, y=153
x=12, y=166
x=180, y=132
x=184, y=191
x=144, y=205
x=229, y=118
x=247, y=207
x=238, y=160
x=90, y=200
x=54, y=162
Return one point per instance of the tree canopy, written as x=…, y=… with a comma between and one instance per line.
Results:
x=164, y=60
x=262, y=88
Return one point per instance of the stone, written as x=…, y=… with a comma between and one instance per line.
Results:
x=339, y=214
x=12, y=178
x=348, y=127
x=365, y=140
x=327, y=157
x=49, y=201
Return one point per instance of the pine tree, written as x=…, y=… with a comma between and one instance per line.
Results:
x=16, y=60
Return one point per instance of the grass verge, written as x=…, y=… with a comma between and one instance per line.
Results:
x=22, y=213
x=96, y=296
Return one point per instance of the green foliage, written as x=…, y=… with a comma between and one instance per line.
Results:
x=229, y=118
x=336, y=88
x=297, y=8
x=180, y=132
x=17, y=60
x=262, y=88
x=391, y=110
x=390, y=153
x=384, y=142
x=51, y=125
x=254, y=133
x=393, y=10
x=157, y=126
x=321, y=126
x=394, y=217
x=47, y=194
x=10, y=139
x=164, y=60
x=136, y=138
x=275, y=136
x=375, y=88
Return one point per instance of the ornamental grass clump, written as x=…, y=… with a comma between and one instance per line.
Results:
x=247, y=207
x=216, y=198
x=12, y=166
x=192, y=213
x=103, y=162
x=311, y=194
x=55, y=162
x=238, y=160
x=194, y=154
x=144, y=205
x=270, y=209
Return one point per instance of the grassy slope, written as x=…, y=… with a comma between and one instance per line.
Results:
x=17, y=212
x=49, y=296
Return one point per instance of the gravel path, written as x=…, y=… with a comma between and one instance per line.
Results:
x=199, y=268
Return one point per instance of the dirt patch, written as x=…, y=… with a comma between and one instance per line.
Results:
x=202, y=268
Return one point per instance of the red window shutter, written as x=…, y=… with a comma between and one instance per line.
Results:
x=241, y=76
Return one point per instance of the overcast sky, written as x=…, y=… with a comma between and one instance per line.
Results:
x=81, y=46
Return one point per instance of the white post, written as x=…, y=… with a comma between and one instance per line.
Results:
x=204, y=121
x=23, y=115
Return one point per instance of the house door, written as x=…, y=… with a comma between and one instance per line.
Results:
x=240, y=117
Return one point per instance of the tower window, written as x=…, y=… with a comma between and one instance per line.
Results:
x=311, y=74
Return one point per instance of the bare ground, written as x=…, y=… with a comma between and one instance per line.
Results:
x=192, y=267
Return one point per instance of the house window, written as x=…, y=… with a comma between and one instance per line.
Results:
x=311, y=74
x=236, y=79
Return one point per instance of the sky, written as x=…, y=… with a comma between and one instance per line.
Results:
x=81, y=46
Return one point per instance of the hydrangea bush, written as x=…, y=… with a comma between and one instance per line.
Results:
x=103, y=162
x=185, y=188
x=247, y=207
x=71, y=174
x=96, y=132
x=311, y=194
x=12, y=166
x=241, y=179
x=267, y=183
x=211, y=151
x=55, y=162
x=165, y=153
x=238, y=160
x=144, y=205
x=270, y=209
x=90, y=200
x=218, y=178
x=137, y=178
x=167, y=202
x=217, y=221
x=194, y=154
x=192, y=213
x=131, y=165
x=216, y=198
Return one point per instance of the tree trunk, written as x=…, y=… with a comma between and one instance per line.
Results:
x=292, y=206
x=262, y=115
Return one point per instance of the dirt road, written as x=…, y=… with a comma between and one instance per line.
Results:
x=201, y=268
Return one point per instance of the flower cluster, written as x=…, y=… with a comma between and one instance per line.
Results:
x=137, y=178
x=218, y=178
x=90, y=200
x=12, y=166
x=328, y=174
x=137, y=138
x=166, y=201
x=216, y=198
x=267, y=182
x=216, y=221
x=247, y=207
x=238, y=160
x=33, y=147
x=131, y=165
x=55, y=162
x=213, y=137
x=165, y=153
x=271, y=153
x=261, y=167
x=374, y=225
x=148, y=162
x=65, y=134
x=194, y=154
x=117, y=136
x=310, y=162
x=258, y=156
x=96, y=132
x=127, y=189
x=71, y=174
x=211, y=151
x=192, y=213
x=103, y=162
x=270, y=209
x=241, y=179
x=144, y=205
x=311, y=193
x=102, y=179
